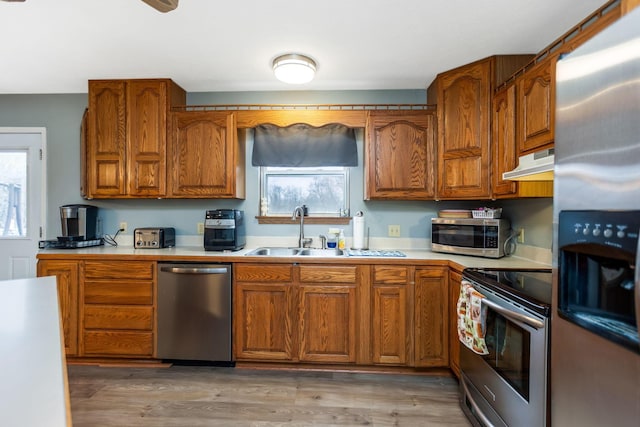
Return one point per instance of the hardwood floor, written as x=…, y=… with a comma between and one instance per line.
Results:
x=215, y=396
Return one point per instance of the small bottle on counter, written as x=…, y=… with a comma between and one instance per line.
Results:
x=341, y=241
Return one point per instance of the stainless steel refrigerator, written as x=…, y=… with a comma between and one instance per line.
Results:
x=595, y=351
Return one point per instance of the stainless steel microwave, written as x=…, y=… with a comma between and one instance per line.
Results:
x=470, y=236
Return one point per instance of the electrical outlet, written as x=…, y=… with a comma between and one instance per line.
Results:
x=123, y=227
x=394, y=231
x=521, y=236
x=201, y=228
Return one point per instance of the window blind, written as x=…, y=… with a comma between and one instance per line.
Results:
x=303, y=145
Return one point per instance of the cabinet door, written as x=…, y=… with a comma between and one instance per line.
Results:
x=327, y=325
x=205, y=154
x=264, y=312
x=431, y=318
x=399, y=155
x=106, y=140
x=464, y=109
x=390, y=341
x=147, y=107
x=536, y=107
x=67, y=277
x=454, y=343
x=503, y=141
x=327, y=322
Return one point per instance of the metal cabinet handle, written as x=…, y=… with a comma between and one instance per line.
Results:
x=475, y=406
x=195, y=270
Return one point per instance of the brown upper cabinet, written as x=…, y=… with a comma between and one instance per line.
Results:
x=207, y=159
x=463, y=96
x=126, y=137
x=536, y=107
x=399, y=155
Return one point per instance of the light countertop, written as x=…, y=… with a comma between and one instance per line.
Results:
x=33, y=389
x=198, y=254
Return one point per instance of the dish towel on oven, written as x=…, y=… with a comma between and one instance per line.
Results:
x=471, y=319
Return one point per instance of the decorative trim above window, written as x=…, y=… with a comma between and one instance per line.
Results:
x=302, y=145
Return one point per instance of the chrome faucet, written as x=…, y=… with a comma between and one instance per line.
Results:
x=302, y=241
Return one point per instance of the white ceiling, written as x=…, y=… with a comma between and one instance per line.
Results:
x=55, y=46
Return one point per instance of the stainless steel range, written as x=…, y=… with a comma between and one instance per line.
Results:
x=508, y=386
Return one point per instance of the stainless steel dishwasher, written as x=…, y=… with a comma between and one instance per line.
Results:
x=194, y=312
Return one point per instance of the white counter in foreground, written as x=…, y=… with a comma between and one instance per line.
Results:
x=33, y=388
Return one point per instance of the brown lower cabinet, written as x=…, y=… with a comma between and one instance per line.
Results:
x=348, y=314
x=108, y=307
x=286, y=312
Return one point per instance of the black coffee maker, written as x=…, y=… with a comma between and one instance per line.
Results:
x=79, y=222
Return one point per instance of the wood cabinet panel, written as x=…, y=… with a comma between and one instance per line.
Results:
x=130, y=270
x=536, y=107
x=324, y=274
x=67, y=275
x=106, y=144
x=327, y=324
x=206, y=157
x=455, y=278
x=463, y=131
x=399, y=155
x=118, y=343
x=134, y=293
x=431, y=303
x=386, y=274
x=108, y=317
x=147, y=137
x=263, y=321
x=390, y=342
x=266, y=273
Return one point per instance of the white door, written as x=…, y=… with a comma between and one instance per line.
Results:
x=22, y=190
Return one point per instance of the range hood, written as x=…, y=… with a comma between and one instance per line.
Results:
x=536, y=166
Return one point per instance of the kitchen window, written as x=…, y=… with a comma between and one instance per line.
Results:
x=324, y=190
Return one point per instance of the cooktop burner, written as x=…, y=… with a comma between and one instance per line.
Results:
x=531, y=287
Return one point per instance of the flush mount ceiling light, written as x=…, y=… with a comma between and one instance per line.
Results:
x=294, y=68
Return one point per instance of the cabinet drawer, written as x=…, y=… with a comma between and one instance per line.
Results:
x=100, y=270
x=109, y=317
x=386, y=274
x=325, y=274
x=263, y=273
x=118, y=343
x=137, y=293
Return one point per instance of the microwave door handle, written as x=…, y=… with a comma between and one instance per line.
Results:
x=519, y=317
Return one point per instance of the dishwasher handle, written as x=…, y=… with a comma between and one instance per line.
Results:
x=194, y=270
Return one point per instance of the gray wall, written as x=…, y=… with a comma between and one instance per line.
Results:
x=61, y=116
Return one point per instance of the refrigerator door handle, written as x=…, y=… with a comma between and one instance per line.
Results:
x=636, y=286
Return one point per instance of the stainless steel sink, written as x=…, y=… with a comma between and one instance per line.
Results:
x=275, y=251
x=321, y=252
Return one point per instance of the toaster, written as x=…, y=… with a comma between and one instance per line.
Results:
x=154, y=237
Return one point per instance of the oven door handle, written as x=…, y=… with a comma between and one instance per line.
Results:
x=485, y=420
x=528, y=320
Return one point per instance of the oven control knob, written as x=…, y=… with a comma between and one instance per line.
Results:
x=596, y=232
x=608, y=232
x=620, y=234
x=586, y=230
